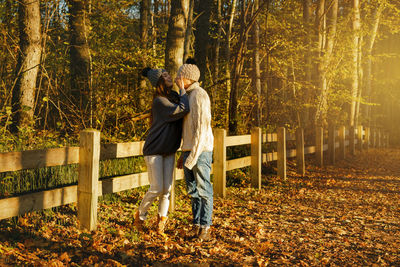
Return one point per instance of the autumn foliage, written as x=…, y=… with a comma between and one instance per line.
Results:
x=343, y=215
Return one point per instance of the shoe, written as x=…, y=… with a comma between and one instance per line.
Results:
x=138, y=223
x=161, y=222
x=204, y=234
x=195, y=231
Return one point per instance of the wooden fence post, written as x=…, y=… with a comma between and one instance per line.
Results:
x=342, y=142
x=256, y=157
x=352, y=147
x=367, y=137
x=387, y=140
x=89, y=158
x=219, y=167
x=319, y=146
x=360, y=137
x=281, y=135
x=379, y=138
x=373, y=138
x=301, y=169
x=383, y=139
x=331, y=144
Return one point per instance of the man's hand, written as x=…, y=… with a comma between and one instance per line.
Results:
x=179, y=164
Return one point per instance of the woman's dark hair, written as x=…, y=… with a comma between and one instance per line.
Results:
x=161, y=88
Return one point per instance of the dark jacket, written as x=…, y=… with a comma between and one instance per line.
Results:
x=165, y=133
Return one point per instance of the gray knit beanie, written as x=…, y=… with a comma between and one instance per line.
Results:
x=153, y=75
x=189, y=70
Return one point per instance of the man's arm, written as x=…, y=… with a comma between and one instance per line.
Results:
x=201, y=118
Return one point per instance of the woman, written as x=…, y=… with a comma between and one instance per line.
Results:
x=164, y=138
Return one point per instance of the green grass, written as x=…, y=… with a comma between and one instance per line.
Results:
x=19, y=182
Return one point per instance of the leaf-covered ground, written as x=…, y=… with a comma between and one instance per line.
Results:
x=343, y=215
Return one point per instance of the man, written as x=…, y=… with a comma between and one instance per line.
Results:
x=197, y=149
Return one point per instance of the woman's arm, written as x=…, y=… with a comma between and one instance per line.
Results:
x=171, y=111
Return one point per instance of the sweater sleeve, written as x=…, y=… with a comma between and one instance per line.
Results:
x=171, y=111
x=201, y=118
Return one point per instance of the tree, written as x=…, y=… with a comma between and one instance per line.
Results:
x=256, y=66
x=228, y=75
x=80, y=60
x=218, y=41
x=202, y=38
x=143, y=31
x=237, y=68
x=356, y=27
x=245, y=26
x=144, y=20
x=189, y=31
x=370, y=41
x=326, y=50
x=320, y=24
x=23, y=95
x=307, y=60
x=6, y=24
x=176, y=36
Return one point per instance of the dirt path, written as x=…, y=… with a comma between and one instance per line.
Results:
x=347, y=215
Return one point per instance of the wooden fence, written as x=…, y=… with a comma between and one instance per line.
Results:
x=91, y=152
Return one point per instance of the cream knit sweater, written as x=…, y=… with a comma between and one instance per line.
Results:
x=197, y=132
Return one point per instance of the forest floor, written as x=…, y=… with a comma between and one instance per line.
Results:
x=342, y=215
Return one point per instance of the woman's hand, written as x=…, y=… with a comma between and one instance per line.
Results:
x=179, y=82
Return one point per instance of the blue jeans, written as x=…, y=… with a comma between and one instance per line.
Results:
x=199, y=187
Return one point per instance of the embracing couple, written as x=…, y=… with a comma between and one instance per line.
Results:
x=176, y=117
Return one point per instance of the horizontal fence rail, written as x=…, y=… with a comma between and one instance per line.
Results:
x=334, y=141
x=16, y=161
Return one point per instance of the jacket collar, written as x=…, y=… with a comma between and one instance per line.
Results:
x=192, y=86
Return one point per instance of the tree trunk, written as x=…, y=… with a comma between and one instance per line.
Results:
x=202, y=40
x=320, y=24
x=155, y=7
x=189, y=31
x=256, y=66
x=23, y=95
x=266, y=66
x=368, y=58
x=142, y=98
x=5, y=24
x=144, y=21
x=325, y=59
x=356, y=26
x=307, y=61
x=237, y=66
x=360, y=78
x=320, y=20
x=176, y=36
x=331, y=28
x=80, y=57
x=228, y=52
x=218, y=41
x=153, y=33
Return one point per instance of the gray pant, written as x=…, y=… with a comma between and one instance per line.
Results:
x=160, y=170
